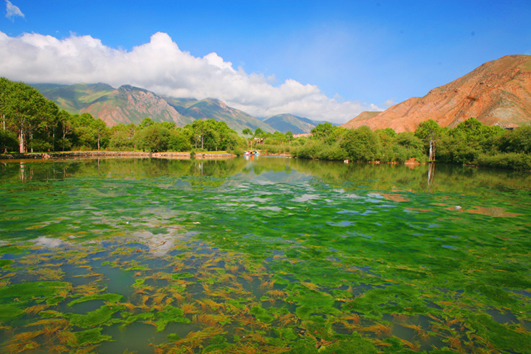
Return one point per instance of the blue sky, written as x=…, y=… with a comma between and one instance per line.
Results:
x=340, y=57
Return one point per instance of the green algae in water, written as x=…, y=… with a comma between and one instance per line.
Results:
x=101, y=316
x=169, y=314
x=315, y=258
x=91, y=336
x=32, y=290
x=15, y=298
x=6, y=262
x=130, y=318
x=177, y=276
x=110, y=298
x=9, y=312
x=11, y=250
x=261, y=314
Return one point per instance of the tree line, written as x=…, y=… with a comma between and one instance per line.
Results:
x=32, y=123
x=470, y=142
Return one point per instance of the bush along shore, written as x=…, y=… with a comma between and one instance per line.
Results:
x=469, y=143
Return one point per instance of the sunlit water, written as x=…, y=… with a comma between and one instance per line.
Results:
x=268, y=255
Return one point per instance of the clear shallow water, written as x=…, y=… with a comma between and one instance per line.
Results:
x=269, y=255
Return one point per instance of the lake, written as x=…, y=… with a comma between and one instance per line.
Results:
x=263, y=255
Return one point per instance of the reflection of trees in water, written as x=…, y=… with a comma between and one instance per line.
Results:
x=432, y=178
x=118, y=168
x=28, y=170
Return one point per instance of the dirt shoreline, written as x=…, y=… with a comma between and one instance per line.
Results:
x=117, y=154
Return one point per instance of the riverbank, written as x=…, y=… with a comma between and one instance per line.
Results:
x=117, y=154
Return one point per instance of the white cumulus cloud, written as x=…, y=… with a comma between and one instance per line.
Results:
x=389, y=103
x=162, y=67
x=12, y=11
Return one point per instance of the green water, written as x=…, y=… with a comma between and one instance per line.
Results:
x=270, y=255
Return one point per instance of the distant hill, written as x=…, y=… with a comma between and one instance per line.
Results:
x=317, y=122
x=127, y=104
x=288, y=122
x=496, y=93
x=213, y=108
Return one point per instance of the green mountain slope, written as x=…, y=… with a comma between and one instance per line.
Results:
x=73, y=98
x=127, y=104
x=289, y=122
x=218, y=110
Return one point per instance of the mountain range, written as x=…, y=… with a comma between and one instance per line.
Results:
x=496, y=93
x=129, y=104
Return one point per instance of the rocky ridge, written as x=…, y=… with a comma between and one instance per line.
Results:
x=496, y=93
x=129, y=104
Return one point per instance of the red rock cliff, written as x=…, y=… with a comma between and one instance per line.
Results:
x=497, y=92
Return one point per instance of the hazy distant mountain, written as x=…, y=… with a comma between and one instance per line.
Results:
x=213, y=108
x=289, y=122
x=496, y=93
x=129, y=104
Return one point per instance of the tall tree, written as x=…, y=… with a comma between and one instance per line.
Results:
x=199, y=127
x=100, y=128
x=22, y=103
x=289, y=136
x=430, y=132
x=322, y=130
x=65, y=122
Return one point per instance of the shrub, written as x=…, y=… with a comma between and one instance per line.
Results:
x=334, y=152
x=236, y=151
x=179, y=142
x=361, y=144
x=8, y=141
x=154, y=138
x=310, y=150
x=120, y=141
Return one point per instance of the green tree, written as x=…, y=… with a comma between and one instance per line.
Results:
x=50, y=122
x=180, y=140
x=289, y=136
x=361, y=144
x=100, y=129
x=8, y=141
x=168, y=125
x=120, y=140
x=322, y=130
x=154, y=138
x=409, y=141
x=249, y=135
x=21, y=110
x=66, y=128
x=430, y=132
x=5, y=87
x=146, y=122
x=198, y=128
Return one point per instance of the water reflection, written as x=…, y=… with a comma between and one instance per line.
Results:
x=267, y=170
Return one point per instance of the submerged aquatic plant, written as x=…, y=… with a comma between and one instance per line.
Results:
x=317, y=258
